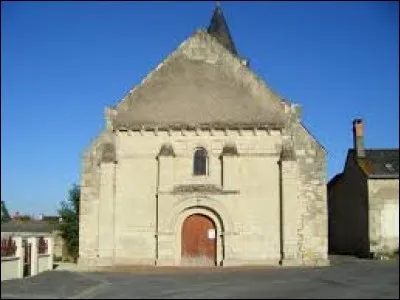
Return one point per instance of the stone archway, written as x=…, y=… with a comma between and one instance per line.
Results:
x=198, y=241
x=205, y=206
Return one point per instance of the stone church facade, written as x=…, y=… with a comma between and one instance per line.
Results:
x=203, y=164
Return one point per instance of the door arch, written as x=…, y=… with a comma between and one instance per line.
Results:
x=199, y=241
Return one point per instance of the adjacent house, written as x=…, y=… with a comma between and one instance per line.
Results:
x=29, y=228
x=363, y=201
x=27, y=248
x=201, y=164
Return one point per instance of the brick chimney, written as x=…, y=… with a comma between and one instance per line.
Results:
x=358, y=137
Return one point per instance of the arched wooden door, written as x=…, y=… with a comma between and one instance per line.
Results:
x=198, y=241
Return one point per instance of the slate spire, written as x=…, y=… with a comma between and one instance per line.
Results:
x=219, y=29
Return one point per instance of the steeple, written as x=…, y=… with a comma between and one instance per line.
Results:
x=219, y=29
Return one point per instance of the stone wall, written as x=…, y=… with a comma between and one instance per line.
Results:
x=10, y=268
x=60, y=248
x=149, y=199
x=312, y=197
x=384, y=215
x=90, y=195
x=250, y=203
x=43, y=263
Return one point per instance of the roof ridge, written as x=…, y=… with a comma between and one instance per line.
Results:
x=382, y=149
x=378, y=149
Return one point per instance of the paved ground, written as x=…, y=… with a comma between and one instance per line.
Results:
x=345, y=279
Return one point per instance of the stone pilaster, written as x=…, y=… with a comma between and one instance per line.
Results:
x=166, y=168
x=106, y=213
x=290, y=212
x=230, y=168
x=166, y=173
x=20, y=254
x=50, y=250
x=34, y=255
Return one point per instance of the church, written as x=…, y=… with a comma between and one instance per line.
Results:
x=202, y=164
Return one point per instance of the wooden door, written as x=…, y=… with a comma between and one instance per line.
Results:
x=199, y=240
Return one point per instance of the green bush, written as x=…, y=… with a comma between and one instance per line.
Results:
x=69, y=225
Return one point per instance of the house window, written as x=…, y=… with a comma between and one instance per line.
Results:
x=200, y=162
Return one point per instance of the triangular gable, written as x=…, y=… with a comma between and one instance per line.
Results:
x=200, y=83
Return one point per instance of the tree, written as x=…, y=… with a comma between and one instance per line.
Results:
x=5, y=216
x=69, y=225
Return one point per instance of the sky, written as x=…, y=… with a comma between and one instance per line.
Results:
x=63, y=62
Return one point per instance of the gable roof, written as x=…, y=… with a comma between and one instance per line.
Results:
x=28, y=226
x=200, y=83
x=378, y=163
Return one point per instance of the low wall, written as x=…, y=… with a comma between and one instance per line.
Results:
x=12, y=259
x=44, y=262
x=10, y=268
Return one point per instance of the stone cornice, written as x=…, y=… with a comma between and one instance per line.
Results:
x=201, y=131
x=202, y=189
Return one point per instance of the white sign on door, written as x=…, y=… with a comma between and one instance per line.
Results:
x=211, y=234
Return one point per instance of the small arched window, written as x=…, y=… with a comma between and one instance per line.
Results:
x=200, y=162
